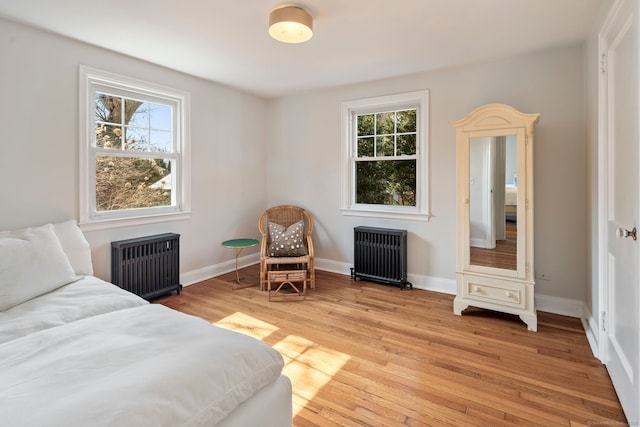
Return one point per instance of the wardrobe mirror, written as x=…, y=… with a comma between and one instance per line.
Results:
x=493, y=201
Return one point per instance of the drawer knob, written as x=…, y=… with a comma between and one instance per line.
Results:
x=477, y=289
x=509, y=294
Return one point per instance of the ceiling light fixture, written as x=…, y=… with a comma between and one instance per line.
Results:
x=290, y=24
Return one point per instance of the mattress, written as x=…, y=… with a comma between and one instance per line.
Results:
x=140, y=366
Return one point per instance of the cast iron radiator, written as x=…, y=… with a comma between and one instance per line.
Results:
x=380, y=254
x=147, y=266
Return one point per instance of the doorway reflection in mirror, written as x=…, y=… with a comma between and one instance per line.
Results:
x=493, y=201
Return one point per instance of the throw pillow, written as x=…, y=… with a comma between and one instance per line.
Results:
x=287, y=241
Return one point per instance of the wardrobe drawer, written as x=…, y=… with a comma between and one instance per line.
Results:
x=495, y=291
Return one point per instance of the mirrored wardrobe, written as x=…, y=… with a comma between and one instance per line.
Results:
x=494, y=231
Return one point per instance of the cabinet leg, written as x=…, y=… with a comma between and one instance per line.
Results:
x=459, y=306
x=531, y=320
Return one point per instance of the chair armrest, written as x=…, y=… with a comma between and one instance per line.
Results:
x=310, y=245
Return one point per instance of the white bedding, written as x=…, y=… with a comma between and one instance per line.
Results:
x=142, y=366
x=86, y=297
x=511, y=195
x=78, y=351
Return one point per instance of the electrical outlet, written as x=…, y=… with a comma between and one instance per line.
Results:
x=543, y=276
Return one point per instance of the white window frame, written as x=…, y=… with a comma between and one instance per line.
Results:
x=92, y=80
x=350, y=110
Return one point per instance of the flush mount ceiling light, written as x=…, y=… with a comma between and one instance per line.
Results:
x=290, y=24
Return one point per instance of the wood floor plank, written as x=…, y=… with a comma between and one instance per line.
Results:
x=366, y=354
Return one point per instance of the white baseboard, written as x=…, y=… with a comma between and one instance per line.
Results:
x=562, y=306
x=435, y=284
x=333, y=266
x=590, y=325
x=201, y=274
x=427, y=283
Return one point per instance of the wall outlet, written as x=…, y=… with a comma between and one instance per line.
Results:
x=543, y=276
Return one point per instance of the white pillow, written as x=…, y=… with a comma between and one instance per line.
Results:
x=73, y=242
x=31, y=265
x=76, y=247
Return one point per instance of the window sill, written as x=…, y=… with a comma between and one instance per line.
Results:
x=104, y=224
x=407, y=216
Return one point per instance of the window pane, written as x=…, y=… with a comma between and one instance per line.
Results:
x=384, y=146
x=108, y=108
x=137, y=138
x=160, y=141
x=127, y=183
x=391, y=182
x=108, y=136
x=161, y=117
x=365, y=147
x=137, y=113
x=366, y=125
x=406, y=121
x=385, y=123
x=406, y=144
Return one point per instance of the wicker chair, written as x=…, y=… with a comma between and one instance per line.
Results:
x=285, y=216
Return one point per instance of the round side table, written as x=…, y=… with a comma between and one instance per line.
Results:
x=238, y=245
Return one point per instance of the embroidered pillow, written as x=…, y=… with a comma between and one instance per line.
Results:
x=287, y=241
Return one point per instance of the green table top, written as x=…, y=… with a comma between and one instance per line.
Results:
x=239, y=243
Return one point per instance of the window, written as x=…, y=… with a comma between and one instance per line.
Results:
x=133, y=150
x=386, y=156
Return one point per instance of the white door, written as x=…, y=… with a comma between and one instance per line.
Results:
x=481, y=159
x=499, y=181
x=620, y=296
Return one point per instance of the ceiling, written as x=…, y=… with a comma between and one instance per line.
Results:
x=354, y=40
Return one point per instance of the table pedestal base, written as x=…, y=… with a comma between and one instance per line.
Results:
x=238, y=245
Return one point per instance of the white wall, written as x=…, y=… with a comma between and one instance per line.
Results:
x=291, y=154
x=39, y=147
x=304, y=162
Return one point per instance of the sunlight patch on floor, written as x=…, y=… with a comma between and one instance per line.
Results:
x=248, y=325
x=309, y=366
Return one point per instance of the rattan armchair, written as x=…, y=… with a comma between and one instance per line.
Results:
x=283, y=220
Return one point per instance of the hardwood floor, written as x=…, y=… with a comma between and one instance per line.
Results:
x=364, y=354
x=504, y=255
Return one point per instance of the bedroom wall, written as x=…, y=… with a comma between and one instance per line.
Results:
x=39, y=148
x=238, y=170
x=304, y=165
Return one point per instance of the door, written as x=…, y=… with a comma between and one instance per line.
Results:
x=620, y=294
x=481, y=161
x=499, y=165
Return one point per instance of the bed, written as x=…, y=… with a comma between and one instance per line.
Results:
x=78, y=351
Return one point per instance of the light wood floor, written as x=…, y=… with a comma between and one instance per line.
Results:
x=364, y=354
x=504, y=255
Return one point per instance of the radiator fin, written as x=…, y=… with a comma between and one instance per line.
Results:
x=380, y=254
x=147, y=266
